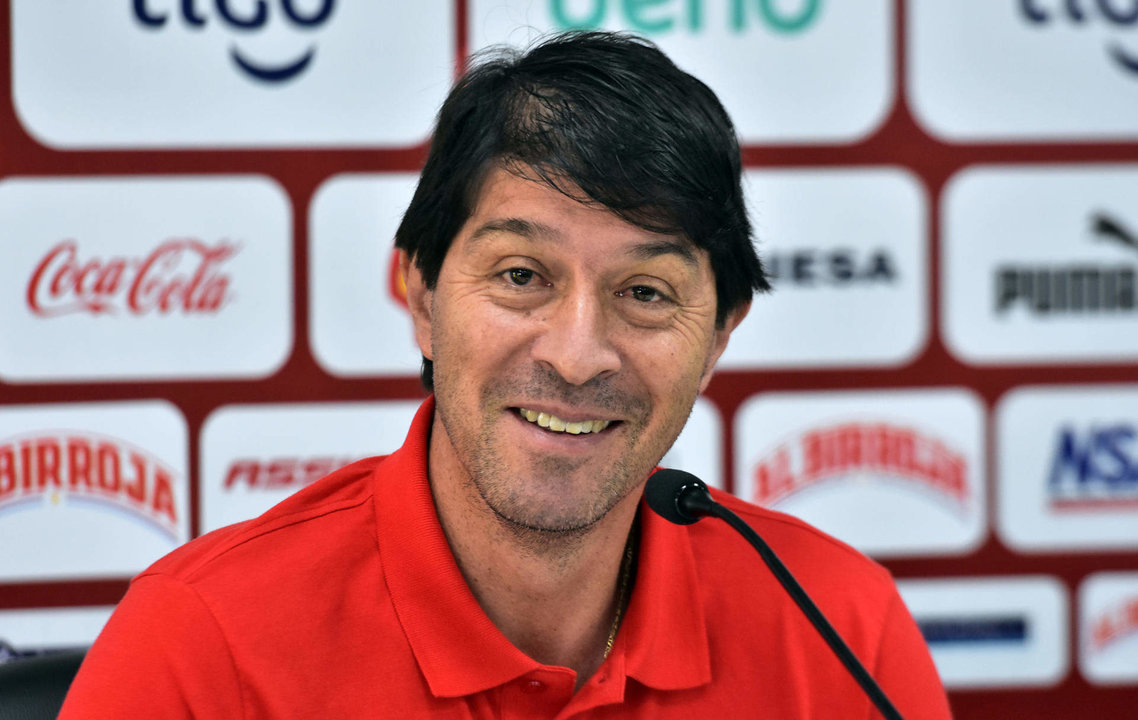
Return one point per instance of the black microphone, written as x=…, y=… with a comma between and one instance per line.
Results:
x=682, y=498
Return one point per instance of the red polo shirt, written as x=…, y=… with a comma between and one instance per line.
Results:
x=345, y=601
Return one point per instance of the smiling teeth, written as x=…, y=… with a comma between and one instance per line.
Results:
x=556, y=424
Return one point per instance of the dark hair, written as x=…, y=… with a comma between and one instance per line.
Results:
x=603, y=114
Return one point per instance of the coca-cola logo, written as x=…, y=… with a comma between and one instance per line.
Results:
x=88, y=468
x=182, y=275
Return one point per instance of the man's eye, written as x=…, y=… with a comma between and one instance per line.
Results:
x=643, y=293
x=520, y=276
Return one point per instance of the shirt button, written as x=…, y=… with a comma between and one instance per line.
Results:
x=533, y=686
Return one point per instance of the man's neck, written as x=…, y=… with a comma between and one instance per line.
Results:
x=554, y=596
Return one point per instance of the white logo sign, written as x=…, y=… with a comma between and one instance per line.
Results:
x=993, y=632
x=1108, y=628
x=787, y=72
x=265, y=73
x=892, y=472
x=1021, y=70
x=90, y=490
x=26, y=632
x=359, y=323
x=1041, y=264
x=144, y=278
x=254, y=456
x=848, y=251
x=1068, y=468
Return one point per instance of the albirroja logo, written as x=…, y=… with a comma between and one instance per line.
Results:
x=1114, y=624
x=54, y=466
x=180, y=275
x=849, y=448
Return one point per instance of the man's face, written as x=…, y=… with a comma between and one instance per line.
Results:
x=568, y=348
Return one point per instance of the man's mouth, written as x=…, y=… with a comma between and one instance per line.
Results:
x=556, y=424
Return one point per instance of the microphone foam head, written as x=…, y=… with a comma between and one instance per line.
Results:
x=664, y=491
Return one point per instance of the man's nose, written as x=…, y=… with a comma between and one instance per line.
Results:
x=575, y=339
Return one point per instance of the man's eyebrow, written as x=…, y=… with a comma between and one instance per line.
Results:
x=514, y=226
x=531, y=230
x=666, y=246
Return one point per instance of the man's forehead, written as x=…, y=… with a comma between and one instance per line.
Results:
x=652, y=246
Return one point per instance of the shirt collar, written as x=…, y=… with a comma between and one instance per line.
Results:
x=461, y=652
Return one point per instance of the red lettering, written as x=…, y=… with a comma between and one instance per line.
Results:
x=242, y=470
x=280, y=472
x=78, y=463
x=135, y=488
x=180, y=274
x=109, y=468
x=164, y=497
x=47, y=464
x=26, y=463
x=8, y=472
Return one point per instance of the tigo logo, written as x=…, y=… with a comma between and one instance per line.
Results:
x=1024, y=70
x=193, y=18
x=56, y=467
x=230, y=73
x=182, y=275
x=1079, y=13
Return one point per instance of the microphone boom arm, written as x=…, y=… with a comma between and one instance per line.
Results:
x=695, y=501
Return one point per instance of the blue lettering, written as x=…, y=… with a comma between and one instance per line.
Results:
x=1119, y=17
x=1103, y=458
x=1069, y=459
x=190, y=16
x=1032, y=13
x=317, y=18
x=1116, y=12
x=145, y=17
x=260, y=16
x=1110, y=444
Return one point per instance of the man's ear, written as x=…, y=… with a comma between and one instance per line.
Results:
x=719, y=344
x=419, y=303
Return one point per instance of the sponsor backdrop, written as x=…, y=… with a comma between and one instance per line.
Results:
x=200, y=308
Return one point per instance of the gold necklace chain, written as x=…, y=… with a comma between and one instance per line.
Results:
x=622, y=592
